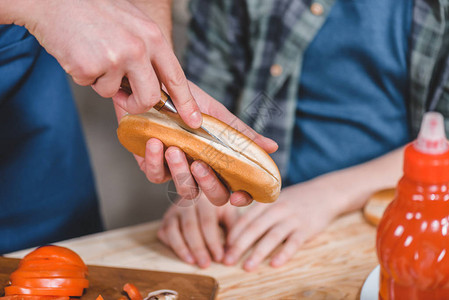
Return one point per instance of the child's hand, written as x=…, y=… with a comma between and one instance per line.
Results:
x=301, y=212
x=194, y=232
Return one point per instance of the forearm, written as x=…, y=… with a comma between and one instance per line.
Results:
x=356, y=184
x=348, y=189
x=160, y=12
x=12, y=11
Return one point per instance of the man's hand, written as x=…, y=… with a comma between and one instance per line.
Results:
x=98, y=42
x=194, y=232
x=185, y=176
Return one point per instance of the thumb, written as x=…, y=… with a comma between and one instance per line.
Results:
x=118, y=100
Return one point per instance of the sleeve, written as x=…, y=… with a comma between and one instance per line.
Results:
x=217, y=53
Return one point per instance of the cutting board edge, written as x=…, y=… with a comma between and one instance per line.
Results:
x=214, y=282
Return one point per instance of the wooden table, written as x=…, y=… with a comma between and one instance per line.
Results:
x=332, y=266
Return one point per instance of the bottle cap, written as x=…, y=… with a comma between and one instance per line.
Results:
x=426, y=159
x=432, y=137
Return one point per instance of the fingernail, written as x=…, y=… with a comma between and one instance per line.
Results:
x=238, y=202
x=190, y=259
x=202, y=262
x=218, y=256
x=154, y=148
x=196, y=119
x=274, y=144
x=175, y=156
x=229, y=260
x=276, y=261
x=200, y=169
x=249, y=264
x=242, y=202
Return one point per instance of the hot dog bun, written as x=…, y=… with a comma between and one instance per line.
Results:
x=244, y=167
x=376, y=205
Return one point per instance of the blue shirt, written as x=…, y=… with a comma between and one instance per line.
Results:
x=47, y=191
x=352, y=98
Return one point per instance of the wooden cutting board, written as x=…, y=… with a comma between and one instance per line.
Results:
x=109, y=281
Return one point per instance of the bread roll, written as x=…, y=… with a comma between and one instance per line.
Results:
x=376, y=205
x=242, y=167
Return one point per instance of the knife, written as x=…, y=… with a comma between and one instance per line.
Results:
x=166, y=106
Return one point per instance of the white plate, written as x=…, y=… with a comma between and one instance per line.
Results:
x=370, y=289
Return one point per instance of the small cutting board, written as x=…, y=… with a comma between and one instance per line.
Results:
x=109, y=282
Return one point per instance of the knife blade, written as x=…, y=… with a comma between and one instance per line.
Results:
x=166, y=106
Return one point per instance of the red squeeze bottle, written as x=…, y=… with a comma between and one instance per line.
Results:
x=413, y=237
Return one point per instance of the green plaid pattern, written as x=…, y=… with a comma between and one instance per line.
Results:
x=234, y=44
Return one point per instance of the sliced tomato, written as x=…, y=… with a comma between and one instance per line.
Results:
x=55, y=268
x=31, y=297
x=55, y=253
x=132, y=291
x=49, y=271
x=49, y=264
x=19, y=290
x=37, y=263
x=51, y=282
x=60, y=272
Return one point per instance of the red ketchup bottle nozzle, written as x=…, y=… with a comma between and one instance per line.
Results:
x=432, y=138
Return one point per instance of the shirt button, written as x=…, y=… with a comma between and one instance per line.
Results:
x=316, y=9
x=276, y=70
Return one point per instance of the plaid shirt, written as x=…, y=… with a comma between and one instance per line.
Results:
x=248, y=54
